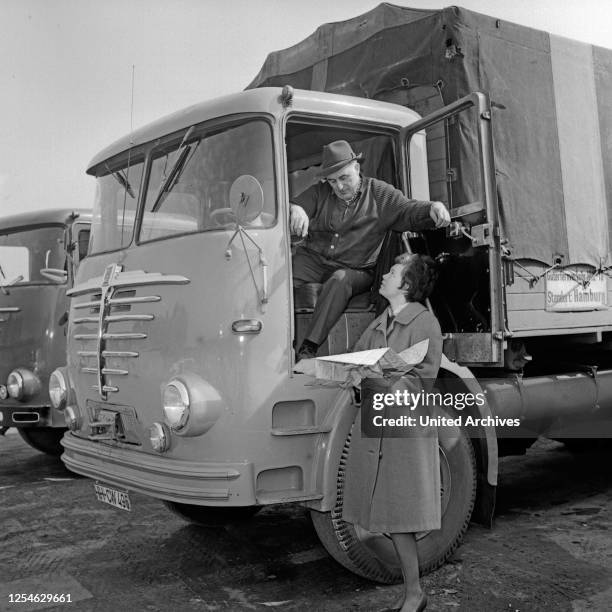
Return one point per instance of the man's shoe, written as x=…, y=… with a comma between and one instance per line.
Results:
x=308, y=350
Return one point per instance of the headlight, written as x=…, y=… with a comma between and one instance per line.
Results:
x=14, y=385
x=176, y=404
x=58, y=390
x=22, y=384
x=73, y=418
x=191, y=405
x=160, y=440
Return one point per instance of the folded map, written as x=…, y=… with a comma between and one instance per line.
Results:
x=373, y=363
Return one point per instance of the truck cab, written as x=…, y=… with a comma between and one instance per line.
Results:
x=39, y=255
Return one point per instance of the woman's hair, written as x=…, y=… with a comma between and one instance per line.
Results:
x=418, y=276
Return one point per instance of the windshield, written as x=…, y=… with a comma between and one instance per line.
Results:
x=24, y=253
x=114, y=207
x=189, y=185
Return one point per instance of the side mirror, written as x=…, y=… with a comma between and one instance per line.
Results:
x=246, y=198
x=54, y=274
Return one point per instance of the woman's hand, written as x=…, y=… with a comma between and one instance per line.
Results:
x=305, y=366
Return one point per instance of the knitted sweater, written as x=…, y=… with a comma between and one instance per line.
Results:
x=352, y=234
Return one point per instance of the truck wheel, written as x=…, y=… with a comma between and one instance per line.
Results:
x=211, y=516
x=44, y=439
x=584, y=445
x=372, y=555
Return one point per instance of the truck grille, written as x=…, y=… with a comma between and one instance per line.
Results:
x=112, y=298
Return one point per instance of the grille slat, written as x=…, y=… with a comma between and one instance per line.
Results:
x=88, y=304
x=130, y=317
x=108, y=354
x=114, y=371
x=123, y=336
x=135, y=300
x=106, y=388
x=86, y=320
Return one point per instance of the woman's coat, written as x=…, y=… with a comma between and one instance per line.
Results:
x=392, y=484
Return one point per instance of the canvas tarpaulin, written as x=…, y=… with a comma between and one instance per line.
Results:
x=552, y=111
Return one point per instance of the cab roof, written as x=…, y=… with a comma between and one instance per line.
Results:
x=43, y=217
x=261, y=100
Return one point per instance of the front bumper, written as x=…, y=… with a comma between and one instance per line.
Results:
x=190, y=482
x=24, y=415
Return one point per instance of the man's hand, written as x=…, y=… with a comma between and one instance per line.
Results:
x=439, y=214
x=298, y=221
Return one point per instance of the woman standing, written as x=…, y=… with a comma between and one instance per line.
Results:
x=393, y=483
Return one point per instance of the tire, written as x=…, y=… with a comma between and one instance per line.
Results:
x=585, y=445
x=212, y=516
x=372, y=555
x=44, y=439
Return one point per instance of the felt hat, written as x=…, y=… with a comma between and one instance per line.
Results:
x=336, y=155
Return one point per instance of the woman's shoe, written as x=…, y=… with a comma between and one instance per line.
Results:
x=422, y=605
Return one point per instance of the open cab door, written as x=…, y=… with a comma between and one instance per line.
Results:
x=460, y=171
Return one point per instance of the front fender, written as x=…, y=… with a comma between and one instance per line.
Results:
x=485, y=444
x=488, y=437
x=328, y=449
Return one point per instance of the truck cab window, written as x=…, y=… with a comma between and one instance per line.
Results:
x=115, y=203
x=189, y=185
x=24, y=253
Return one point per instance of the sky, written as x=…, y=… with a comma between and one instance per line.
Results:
x=78, y=74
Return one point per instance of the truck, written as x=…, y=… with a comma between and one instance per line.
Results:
x=39, y=254
x=183, y=323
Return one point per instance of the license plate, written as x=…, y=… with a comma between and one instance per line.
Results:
x=113, y=497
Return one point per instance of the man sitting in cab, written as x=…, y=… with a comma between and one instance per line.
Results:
x=344, y=219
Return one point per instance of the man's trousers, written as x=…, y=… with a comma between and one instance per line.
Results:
x=339, y=285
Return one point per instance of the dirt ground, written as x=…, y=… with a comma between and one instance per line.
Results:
x=551, y=548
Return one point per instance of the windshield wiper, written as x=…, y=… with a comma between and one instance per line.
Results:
x=4, y=291
x=172, y=176
x=123, y=181
x=8, y=283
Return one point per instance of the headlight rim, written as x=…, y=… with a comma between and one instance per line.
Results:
x=29, y=384
x=21, y=385
x=59, y=374
x=185, y=397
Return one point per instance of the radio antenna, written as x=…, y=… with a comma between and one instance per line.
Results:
x=132, y=105
x=126, y=178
